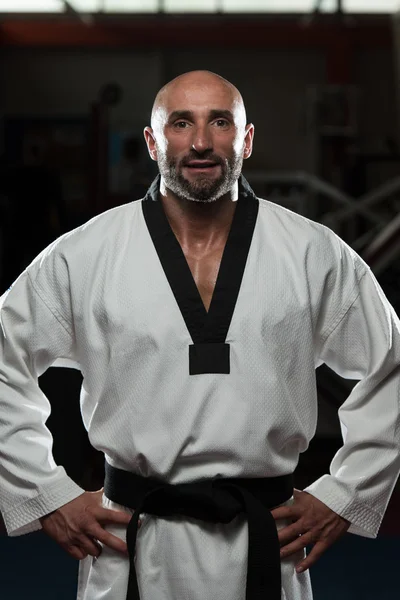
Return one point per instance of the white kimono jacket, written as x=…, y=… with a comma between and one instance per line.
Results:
x=99, y=298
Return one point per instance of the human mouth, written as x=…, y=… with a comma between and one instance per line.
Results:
x=201, y=165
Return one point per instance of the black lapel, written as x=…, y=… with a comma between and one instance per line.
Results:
x=209, y=352
x=174, y=263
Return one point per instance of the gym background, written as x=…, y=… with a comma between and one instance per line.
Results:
x=320, y=83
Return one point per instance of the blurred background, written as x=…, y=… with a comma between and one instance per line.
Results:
x=320, y=82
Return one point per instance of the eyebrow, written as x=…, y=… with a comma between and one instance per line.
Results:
x=189, y=115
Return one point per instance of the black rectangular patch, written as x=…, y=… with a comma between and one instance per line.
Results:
x=209, y=358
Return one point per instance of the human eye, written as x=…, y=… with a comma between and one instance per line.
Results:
x=181, y=124
x=221, y=123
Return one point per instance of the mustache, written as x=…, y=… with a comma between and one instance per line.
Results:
x=205, y=156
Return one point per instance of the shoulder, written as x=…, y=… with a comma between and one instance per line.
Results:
x=274, y=215
x=106, y=224
x=310, y=242
x=81, y=247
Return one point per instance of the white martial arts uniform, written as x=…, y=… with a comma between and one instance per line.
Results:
x=98, y=298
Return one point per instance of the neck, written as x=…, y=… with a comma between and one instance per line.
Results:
x=202, y=225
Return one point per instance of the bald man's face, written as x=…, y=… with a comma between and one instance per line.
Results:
x=199, y=138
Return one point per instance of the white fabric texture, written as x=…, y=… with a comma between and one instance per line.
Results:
x=168, y=549
x=98, y=299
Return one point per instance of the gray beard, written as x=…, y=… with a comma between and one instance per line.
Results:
x=203, y=190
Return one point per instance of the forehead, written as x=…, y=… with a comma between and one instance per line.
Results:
x=200, y=98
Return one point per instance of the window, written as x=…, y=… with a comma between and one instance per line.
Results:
x=371, y=6
x=200, y=6
x=130, y=6
x=31, y=6
x=275, y=6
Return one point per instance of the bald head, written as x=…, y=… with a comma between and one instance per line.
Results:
x=214, y=89
x=199, y=136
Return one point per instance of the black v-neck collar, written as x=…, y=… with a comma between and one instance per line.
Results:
x=206, y=328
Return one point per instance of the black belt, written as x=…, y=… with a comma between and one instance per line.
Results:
x=217, y=500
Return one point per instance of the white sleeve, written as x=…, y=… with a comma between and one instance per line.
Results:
x=32, y=336
x=364, y=344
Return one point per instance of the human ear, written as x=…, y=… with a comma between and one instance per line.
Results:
x=248, y=141
x=150, y=142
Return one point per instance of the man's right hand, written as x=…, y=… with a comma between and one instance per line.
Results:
x=78, y=526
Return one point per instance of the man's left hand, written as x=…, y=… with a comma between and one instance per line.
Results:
x=312, y=523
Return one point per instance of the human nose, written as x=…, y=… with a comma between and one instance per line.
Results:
x=201, y=140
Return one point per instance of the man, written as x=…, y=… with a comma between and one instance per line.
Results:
x=197, y=317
